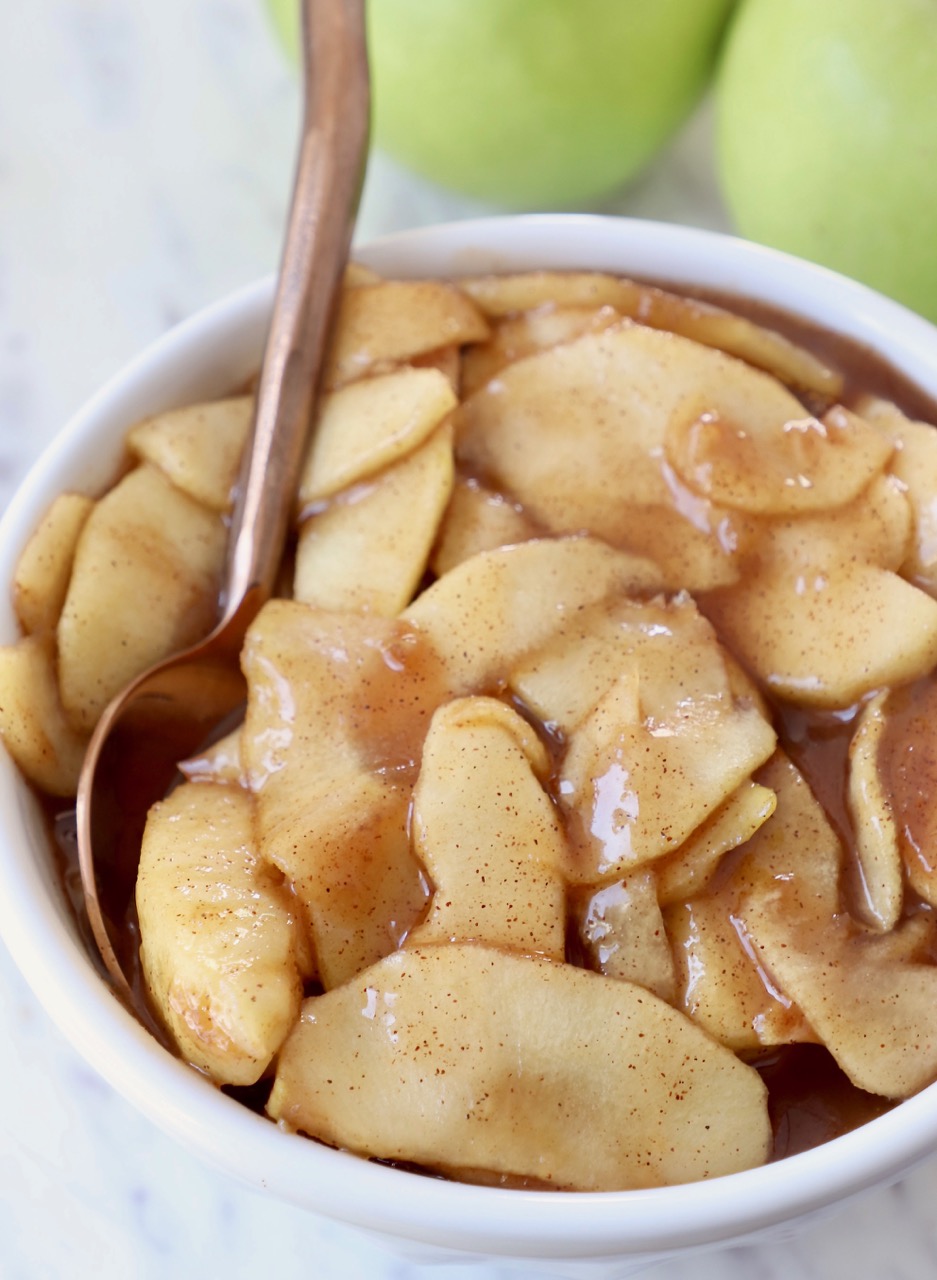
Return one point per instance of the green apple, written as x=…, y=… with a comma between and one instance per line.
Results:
x=533, y=103
x=827, y=136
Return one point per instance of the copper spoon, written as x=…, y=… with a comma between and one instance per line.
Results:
x=171, y=710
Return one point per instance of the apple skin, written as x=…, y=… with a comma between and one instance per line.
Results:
x=827, y=136
x=533, y=103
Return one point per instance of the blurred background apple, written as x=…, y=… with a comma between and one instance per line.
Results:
x=827, y=136
x=533, y=103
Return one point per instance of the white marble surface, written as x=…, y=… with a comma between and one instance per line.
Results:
x=145, y=155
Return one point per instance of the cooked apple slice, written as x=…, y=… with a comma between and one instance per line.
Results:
x=828, y=638
x=522, y=335
x=338, y=706
x=873, y=822
x=656, y=738
x=637, y=782
x=40, y=580
x=907, y=761
x=386, y=324
x=720, y=983
x=33, y=726
x=367, y=551
x=704, y=323
x=876, y=1012
x=369, y=425
x=524, y=1067
x=221, y=762
x=224, y=954
x=576, y=434
x=775, y=467
x=488, y=834
x=684, y=874
x=478, y=519
x=723, y=982
x=198, y=447
x=144, y=585
x=484, y=615
x=447, y=360
x=914, y=463
x=813, y=618
x=622, y=932
x=565, y=677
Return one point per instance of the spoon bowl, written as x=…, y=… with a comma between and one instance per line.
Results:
x=169, y=711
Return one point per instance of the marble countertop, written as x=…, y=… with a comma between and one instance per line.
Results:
x=145, y=160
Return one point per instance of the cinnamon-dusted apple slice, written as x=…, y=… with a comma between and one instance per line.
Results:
x=386, y=324
x=488, y=834
x=563, y=679
x=144, y=584
x=722, y=986
x=33, y=726
x=478, y=519
x=723, y=983
x=621, y=930
x=814, y=619
x=41, y=577
x=640, y=775
x=879, y=862
x=869, y=1002
x=447, y=360
x=220, y=762
x=521, y=335
x=367, y=550
x=657, y=739
x=576, y=434
x=684, y=874
x=705, y=323
x=907, y=762
x=224, y=953
x=338, y=706
x=914, y=463
x=464, y=1058
x=365, y=427
x=774, y=467
x=489, y=611
x=197, y=447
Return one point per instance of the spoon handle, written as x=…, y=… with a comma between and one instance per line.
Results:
x=327, y=185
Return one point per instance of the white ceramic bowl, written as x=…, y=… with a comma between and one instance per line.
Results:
x=566, y=1234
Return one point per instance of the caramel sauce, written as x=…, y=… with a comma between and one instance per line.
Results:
x=810, y=1099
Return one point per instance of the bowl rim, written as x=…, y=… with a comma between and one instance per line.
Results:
x=66, y=982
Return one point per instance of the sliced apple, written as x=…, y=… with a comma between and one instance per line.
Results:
x=369, y=548
x=144, y=584
x=775, y=467
x=338, y=706
x=369, y=425
x=33, y=726
x=873, y=822
x=489, y=611
x=386, y=324
x=488, y=834
x=576, y=434
x=622, y=932
x=223, y=950
x=478, y=519
x=198, y=447
x=463, y=1058
x=702, y=321
x=41, y=577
